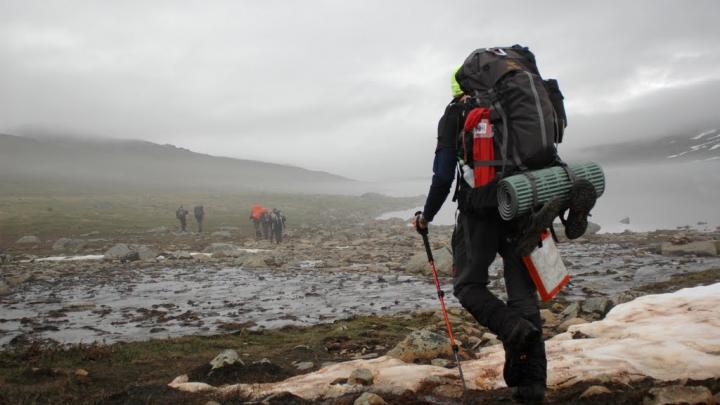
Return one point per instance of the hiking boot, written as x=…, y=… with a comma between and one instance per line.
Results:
x=522, y=335
x=529, y=394
x=530, y=238
x=582, y=200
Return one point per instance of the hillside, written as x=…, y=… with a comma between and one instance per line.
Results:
x=74, y=165
x=697, y=146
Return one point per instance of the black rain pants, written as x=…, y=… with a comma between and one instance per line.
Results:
x=476, y=240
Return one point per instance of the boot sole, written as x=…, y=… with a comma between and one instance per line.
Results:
x=541, y=221
x=582, y=200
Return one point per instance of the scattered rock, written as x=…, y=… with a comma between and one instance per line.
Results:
x=146, y=253
x=368, y=398
x=68, y=244
x=117, y=252
x=702, y=248
x=490, y=339
x=130, y=257
x=81, y=373
x=159, y=229
x=679, y=394
x=594, y=390
x=283, y=398
x=548, y=317
x=28, y=240
x=443, y=362
x=361, y=376
x=443, y=262
x=448, y=391
x=596, y=305
x=622, y=298
x=571, y=311
x=222, y=234
x=225, y=358
x=421, y=344
x=304, y=365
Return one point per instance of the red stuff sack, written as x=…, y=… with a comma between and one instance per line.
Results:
x=478, y=124
x=546, y=267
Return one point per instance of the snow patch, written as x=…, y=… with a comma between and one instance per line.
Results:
x=667, y=337
x=703, y=134
x=69, y=258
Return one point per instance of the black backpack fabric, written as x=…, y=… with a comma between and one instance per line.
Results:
x=527, y=112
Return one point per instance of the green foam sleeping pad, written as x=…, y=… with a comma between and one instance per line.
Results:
x=515, y=195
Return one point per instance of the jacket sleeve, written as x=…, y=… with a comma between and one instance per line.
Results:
x=443, y=175
x=449, y=127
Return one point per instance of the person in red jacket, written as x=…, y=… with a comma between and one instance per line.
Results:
x=255, y=215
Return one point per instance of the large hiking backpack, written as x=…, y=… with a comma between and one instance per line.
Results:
x=520, y=114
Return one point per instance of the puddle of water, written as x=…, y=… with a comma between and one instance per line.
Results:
x=141, y=304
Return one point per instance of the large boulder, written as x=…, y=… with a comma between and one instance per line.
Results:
x=117, y=252
x=145, y=252
x=443, y=262
x=227, y=357
x=421, y=344
x=702, y=248
x=28, y=240
x=679, y=394
x=68, y=245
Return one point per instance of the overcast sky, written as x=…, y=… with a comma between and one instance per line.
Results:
x=354, y=88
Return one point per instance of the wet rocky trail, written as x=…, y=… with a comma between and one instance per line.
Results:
x=288, y=303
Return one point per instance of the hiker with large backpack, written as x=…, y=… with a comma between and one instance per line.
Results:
x=503, y=119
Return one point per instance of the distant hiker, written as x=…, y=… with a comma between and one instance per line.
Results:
x=473, y=135
x=278, y=225
x=181, y=215
x=199, y=212
x=255, y=214
x=266, y=224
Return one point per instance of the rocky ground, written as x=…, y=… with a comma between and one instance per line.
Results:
x=336, y=293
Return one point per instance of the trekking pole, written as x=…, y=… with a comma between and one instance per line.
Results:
x=441, y=297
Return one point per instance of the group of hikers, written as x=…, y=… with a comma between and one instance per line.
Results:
x=269, y=223
x=181, y=215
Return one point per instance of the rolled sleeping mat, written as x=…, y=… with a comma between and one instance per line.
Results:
x=515, y=193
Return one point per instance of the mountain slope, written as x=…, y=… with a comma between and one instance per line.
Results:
x=700, y=146
x=57, y=164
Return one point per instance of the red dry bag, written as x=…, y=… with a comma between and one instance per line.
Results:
x=478, y=124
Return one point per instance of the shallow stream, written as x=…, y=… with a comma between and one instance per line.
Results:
x=140, y=304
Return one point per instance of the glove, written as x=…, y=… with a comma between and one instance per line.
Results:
x=420, y=223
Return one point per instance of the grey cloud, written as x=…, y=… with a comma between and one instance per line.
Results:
x=328, y=85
